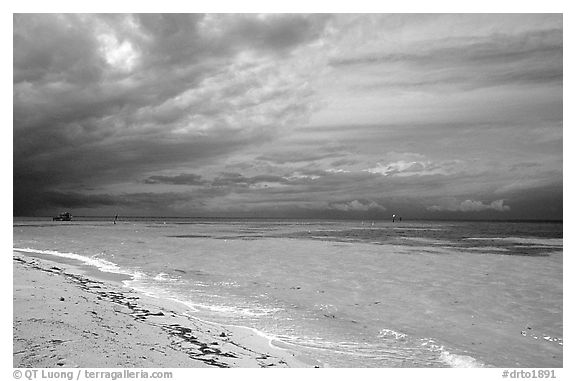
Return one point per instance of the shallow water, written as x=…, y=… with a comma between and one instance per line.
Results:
x=354, y=294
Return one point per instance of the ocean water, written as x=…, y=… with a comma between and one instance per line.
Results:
x=346, y=293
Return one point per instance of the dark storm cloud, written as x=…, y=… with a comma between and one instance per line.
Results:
x=223, y=180
x=146, y=203
x=277, y=33
x=116, y=160
x=237, y=179
x=296, y=157
x=101, y=98
x=182, y=179
x=289, y=115
x=306, y=151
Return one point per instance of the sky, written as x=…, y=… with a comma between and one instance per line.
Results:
x=436, y=116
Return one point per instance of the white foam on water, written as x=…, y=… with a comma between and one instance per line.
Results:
x=227, y=310
x=388, y=353
x=389, y=333
x=99, y=263
x=552, y=339
x=268, y=337
x=460, y=361
x=138, y=283
x=143, y=285
x=451, y=359
x=163, y=277
x=227, y=284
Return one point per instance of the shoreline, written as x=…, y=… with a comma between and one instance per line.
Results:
x=71, y=315
x=451, y=305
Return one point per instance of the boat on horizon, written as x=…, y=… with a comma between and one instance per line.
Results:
x=66, y=216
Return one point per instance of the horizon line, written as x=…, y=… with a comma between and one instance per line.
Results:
x=308, y=218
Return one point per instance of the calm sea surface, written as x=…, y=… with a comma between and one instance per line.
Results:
x=347, y=293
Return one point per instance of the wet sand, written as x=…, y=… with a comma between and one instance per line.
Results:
x=67, y=316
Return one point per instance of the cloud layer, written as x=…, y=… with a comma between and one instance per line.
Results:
x=292, y=115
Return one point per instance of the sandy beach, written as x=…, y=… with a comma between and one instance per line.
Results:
x=69, y=316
